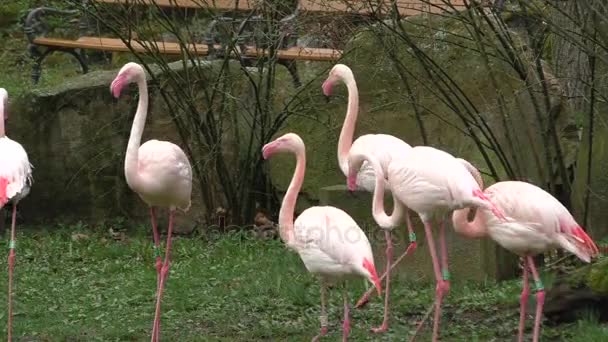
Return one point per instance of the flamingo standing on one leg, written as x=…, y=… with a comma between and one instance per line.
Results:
x=432, y=183
x=539, y=223
x=384, y=147
x=328, y=240
x=15, y=182
x=158, y=171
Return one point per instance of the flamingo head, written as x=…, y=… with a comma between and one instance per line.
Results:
x=338, y=72
x=4, y=101
x=129, y=73
x=289, y=142
x=351, y=181
x=372, y=276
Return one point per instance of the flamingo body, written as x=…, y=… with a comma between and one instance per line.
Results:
x=540, y=223
x=384, y=147
x=165, y=175
x=15, y=172
x=332, y=258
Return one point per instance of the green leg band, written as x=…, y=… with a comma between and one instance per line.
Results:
x=156, y=251
x=412, y=237
x=12, y=244
x=445, y=274
x=539, y=285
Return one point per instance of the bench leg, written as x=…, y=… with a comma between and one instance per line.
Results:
x=40, y=56
x=293, y=71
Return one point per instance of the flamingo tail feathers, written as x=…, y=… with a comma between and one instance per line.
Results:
x=489, y=204
x=3, y=195
x=369, y=266
x=575, y=240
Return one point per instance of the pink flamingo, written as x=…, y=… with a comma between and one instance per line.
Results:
x=383, y=147
x=328, y=240
x=432, y=183
x=539, y=223
x=158, y=171
x=15, y=183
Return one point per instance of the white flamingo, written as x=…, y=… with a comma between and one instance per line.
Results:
x=328, y=240
x=539, y=223
x=15, y=182
x=384, y=147
x=158, y=171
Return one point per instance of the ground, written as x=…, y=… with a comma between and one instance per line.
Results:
x=228, y=288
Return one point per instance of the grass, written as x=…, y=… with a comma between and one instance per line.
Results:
x=229, y=289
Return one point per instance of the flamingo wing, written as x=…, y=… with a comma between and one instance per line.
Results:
x=15, y=171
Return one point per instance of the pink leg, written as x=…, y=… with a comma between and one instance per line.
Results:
x=389, y=257
x=523, y=302
x=439, y=290
x=540, y=298
x=163, y=277
x=445, y=273
x=409, y=251
x=156, y=245
x=346, y=324
x=11, y=267
x=323, y=317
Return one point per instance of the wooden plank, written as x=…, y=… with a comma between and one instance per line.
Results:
x=213, y=4
x=406, y=7
x=170, y=48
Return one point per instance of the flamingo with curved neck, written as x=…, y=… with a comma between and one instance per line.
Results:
x=328, y=240
x=539, y=223
x=158, y=171
x=384, y=147
x=15, y=183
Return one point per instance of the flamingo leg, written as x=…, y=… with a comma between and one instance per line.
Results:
x=156, y=245
x=346, y=323
x=389, y=257
x=439, y=289
x=540, y=298
x=163, y=277
x=409, y=251
x=11, y=267
x=323, y=316
x=523, y=302
x=445, y=273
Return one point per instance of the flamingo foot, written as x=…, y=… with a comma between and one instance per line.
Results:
x=322, y=333
x=380, y=329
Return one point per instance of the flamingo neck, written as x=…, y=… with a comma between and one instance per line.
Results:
x=378, y=212
x=475, y=229
x=137, y=129
x=348, y=128
x=1, y=118
x=286, y=230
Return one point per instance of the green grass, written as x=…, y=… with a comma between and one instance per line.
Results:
x=229, y=289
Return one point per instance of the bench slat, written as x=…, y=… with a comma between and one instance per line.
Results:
x=406, y=7
x=170, y=48
x=217, y=4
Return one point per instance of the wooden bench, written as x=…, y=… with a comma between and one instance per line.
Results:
x=215, y=46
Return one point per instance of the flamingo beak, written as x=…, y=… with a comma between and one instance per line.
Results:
x=327, y=87
x=117, y=85
x=351, y=182
x=268, y=150
x=371, y=269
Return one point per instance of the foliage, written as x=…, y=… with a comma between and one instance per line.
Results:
x=90, y=287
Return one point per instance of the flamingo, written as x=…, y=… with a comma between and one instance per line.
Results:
x=383, y=147
x=15, y=183
x=328, y=240
x=158, y=171
x=432, y=183
x=539, y=223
